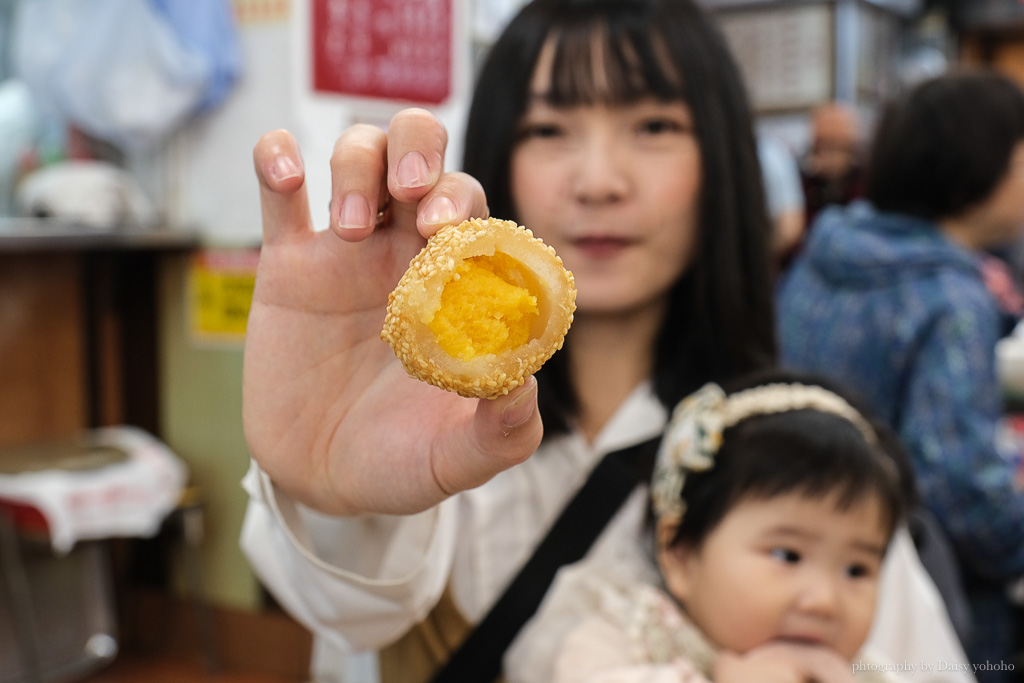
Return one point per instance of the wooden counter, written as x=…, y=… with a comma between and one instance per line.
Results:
x=79, y=341
x=34, y=235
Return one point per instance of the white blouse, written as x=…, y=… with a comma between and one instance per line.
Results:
x=360, y=583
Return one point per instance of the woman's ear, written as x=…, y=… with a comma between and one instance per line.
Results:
x=673, y=560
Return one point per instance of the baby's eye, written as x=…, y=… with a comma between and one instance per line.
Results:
x=786, y=555
x=859, y=571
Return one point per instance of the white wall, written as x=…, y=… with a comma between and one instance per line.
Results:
x=206, y=176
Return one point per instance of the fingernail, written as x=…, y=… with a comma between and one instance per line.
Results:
x=412, y=171
x=522, y=406
x=354, y=213
x=439, y=211
x=283, y=168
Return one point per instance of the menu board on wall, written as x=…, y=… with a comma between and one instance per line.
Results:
x=386, y=49
x=786, y=53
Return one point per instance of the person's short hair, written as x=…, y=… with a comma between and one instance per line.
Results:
x=945, y=145
x=805, y=452
x=720, y=320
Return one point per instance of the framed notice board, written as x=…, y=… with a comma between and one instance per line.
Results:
x=384, y=49
x=786, y=53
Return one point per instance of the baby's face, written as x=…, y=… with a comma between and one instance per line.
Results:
x=789, y=569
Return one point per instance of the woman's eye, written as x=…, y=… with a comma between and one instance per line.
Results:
x=540, y=130
x=786, y=555
x=660, y=126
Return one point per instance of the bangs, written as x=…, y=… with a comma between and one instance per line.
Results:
x=610, y=60
x=817, y=455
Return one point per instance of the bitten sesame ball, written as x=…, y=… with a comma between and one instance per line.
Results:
x=482, y=306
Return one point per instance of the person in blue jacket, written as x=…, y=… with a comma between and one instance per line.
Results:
x=889, y=297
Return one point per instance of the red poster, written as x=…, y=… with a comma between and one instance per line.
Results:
x=389, y=49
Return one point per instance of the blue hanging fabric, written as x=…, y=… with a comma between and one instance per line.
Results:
x=125, y=71
x=113, y=68
x=209, y=28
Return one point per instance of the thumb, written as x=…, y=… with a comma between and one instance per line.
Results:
x=282, y=178
x=519, y=420
x=503, y=432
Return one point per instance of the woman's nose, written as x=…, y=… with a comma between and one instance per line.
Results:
x=601, y=171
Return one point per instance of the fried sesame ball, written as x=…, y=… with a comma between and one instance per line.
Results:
x=482, y=307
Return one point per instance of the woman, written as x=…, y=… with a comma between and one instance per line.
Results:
x=619, y=133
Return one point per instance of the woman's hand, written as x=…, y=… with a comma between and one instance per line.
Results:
x=329, y=412
x=783, y=663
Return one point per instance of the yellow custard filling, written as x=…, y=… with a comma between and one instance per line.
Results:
x=486, y=308
x=480, y=308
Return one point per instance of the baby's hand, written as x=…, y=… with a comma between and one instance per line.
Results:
x=783, y=663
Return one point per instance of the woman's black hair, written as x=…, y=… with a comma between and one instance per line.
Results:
x=945, y=145
x=720, y=320
x=809, y=452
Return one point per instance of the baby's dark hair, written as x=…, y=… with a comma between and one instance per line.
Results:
x=805, y=451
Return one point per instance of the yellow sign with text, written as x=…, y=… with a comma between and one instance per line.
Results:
x=221, y=283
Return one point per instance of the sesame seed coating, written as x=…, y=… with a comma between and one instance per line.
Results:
x=417, y=297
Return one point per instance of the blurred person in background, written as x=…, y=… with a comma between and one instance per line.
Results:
x=832, y=170
x=890, y=296
x=784, y=194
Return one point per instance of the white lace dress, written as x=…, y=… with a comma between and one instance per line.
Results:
x=636, y=633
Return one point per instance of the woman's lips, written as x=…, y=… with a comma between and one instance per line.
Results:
x=601, y=247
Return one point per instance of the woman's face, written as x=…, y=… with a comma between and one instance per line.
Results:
x=614, y=189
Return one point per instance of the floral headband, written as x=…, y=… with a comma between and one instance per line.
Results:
x=694, y=433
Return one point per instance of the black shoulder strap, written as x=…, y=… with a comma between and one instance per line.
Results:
x=580, y=523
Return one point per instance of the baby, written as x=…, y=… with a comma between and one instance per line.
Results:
x=774, y=506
